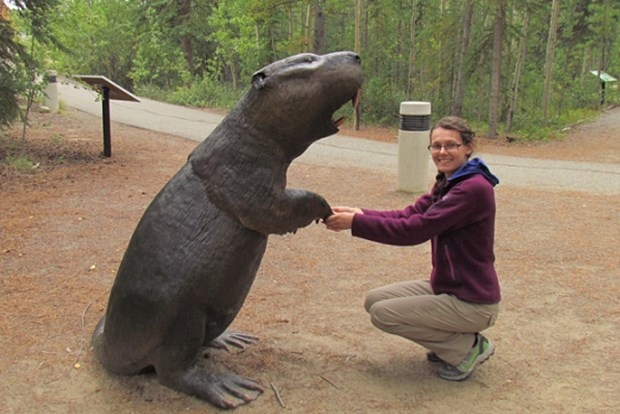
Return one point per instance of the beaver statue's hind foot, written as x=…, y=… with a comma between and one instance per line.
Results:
x=233, y=341
x=221, y=390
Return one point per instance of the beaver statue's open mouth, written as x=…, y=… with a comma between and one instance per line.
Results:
x=355, y=100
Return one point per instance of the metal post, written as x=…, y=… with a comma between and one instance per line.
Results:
x=413, y=138
x=105, y=114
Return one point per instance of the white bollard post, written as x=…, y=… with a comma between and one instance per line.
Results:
x=51, y=92
x=413, y=139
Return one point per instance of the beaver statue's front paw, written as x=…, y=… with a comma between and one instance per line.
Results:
x=325, y=210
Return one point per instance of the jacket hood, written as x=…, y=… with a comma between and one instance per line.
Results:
x=475, y=166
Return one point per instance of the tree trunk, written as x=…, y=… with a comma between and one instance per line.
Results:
x=518, y=67
x=308, y=25
x=358, y=47
x=358, y=26
x=411, y=62
x=551, y=39
x=494, y=101
x=291, y=30
x=319, y=30
x=185, y=15
x=459, y=92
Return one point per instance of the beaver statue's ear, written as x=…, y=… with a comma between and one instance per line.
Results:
x=258, y=80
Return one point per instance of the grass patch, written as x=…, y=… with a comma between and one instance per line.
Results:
x=21, y=163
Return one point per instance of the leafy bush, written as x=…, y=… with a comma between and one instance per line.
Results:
x=208, y=93
x=21, y=163
x=204, y=93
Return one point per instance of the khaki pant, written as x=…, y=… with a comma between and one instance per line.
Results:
x=440, y=323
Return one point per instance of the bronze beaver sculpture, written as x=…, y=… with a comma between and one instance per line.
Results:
x=194, y=254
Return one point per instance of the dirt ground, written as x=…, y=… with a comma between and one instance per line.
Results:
x=64, y=227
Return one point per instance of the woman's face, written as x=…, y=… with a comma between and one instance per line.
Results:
x=448, y=151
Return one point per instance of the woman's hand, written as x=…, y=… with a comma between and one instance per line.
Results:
x=342, y=218
x=341, y=209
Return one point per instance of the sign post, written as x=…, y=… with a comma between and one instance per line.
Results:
x=108, y=90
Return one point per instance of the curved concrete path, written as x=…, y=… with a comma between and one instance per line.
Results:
x=342, y=151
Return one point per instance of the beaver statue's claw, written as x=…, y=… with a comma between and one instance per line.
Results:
x=233, y=341
x=321, y=220
x=230, y=391
x=222, y=390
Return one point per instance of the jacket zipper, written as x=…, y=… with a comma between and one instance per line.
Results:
x=449, y=262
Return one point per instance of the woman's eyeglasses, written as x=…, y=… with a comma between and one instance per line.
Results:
x=448, y=147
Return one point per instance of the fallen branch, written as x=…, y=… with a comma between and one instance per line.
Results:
x=277, y=393
x=323, y=377
x=83, y=325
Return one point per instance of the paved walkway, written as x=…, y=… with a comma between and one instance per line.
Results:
x=342, y=151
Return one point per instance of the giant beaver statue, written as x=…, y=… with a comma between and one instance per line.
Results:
x=194, y=254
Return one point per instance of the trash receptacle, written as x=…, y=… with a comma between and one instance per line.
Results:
x=413, y=139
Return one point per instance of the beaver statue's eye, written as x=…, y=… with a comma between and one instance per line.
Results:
x=258, y=80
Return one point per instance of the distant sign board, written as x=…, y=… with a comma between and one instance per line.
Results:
x=604, y=77
x=101, y=82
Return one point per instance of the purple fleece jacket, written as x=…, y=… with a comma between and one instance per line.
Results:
x=460, y=226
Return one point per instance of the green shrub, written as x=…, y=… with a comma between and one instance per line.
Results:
x=20, y=163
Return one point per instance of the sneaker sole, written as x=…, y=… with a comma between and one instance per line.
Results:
x=434, y=358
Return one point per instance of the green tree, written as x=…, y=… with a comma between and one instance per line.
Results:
x=18, y=65
x=449, y=52
x=237, y=36
x=551, y=45
x=159, y=61
x=101, y=36
x=496, y=70
x=460, y=81
x=12, y=54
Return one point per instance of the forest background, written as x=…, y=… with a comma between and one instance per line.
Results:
x=518, y=67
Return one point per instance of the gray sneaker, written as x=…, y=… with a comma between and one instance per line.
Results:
x=478, y=354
